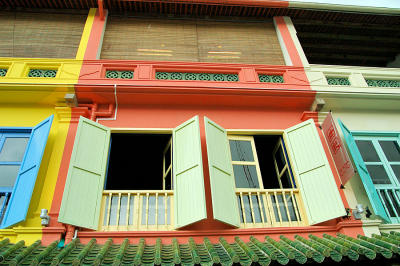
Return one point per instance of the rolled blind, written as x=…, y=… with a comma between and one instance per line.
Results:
x=43, y=35
x=191, y=40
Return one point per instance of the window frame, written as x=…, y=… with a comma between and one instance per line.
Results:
x=3, y=136
x=6, y=132
x=375, y=137
x=168, y=199
x=255, y=163
x=299, y=209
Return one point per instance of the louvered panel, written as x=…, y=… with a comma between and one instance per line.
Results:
x=249, y=43
x=35, y=35
x=149, y=39
x=189, y=40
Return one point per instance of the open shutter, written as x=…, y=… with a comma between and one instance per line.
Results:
x=364, y=175
x=315, y=178
x=81, y=200
x=189, y=196
x=224, y=202
x=26, y=179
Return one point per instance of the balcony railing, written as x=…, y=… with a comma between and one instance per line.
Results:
x=137, y=210
x=270, y=208
x=390, y=198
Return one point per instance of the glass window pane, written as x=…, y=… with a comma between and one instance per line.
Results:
x=241, y=150
x=281, y=205
x=168, y=158
x=285, y=180
x=152, y=210
x=367, y=151
x=122, y=210
x=247, y=209
x=8, y=174
x=168, y=181
x=13, y=149
x=144, y=212
x=4, y=199
x=387, y=203
x=396, y=170
x=113, y=211
x=280, y=159
x=263, y=209
x=168, y=210
x=256, y=209
x=240, y=209
x=161, y=210
x=291, y=208
x=378, y=174
x=106, y=210
x=246, y=176
x=131, y=209
x=391, y=150
x=395, y=201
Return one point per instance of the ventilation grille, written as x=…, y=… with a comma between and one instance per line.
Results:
x=338, y=81
x=197, y=76
x=383, y=83
x=42, y=73
x=3, y=72
x=271, y=78
x=115, y=74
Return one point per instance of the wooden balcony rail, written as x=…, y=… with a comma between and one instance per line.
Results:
x=390, y=198
x=270, y=208
x=137, y=210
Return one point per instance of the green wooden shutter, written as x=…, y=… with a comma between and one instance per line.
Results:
x=315, y=178
x=189, y=195
x=224, y=202
x=83, y=189
x=364, y=175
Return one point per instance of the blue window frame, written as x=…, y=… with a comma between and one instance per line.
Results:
x=12, y=149
x=21, y=152
x=381, y=155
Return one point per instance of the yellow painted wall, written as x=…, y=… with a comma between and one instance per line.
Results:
x=25, y=102
x=28, y=115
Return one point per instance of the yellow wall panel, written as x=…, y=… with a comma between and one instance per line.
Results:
x=28, y=115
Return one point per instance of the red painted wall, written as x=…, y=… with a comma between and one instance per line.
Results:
x=148, y=103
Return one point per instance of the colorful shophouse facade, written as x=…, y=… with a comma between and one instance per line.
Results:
x=163, y=137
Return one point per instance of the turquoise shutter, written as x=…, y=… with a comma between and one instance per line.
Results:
x=315, y=178
x=81, y=200
x=224, y=202
x=24, y=184
x=373, y=196
x=189, y=195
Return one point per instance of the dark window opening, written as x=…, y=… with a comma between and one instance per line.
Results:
x=265, y=145
x=136, y=161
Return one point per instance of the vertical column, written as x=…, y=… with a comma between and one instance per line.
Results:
x=292, y=51
x=92, y=36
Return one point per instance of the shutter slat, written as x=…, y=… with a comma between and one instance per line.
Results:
x=49, y=35
x=192, y=41
x=190, y=204
x=224, y=202
x=315, y=178
x=82, y=195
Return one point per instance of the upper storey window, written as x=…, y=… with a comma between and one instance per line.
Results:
x=192, y=40
x=40, y=35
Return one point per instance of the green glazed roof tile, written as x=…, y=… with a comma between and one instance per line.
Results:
x=299, y=250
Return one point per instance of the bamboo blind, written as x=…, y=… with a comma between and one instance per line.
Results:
x=40, y=34
x=195, y=41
